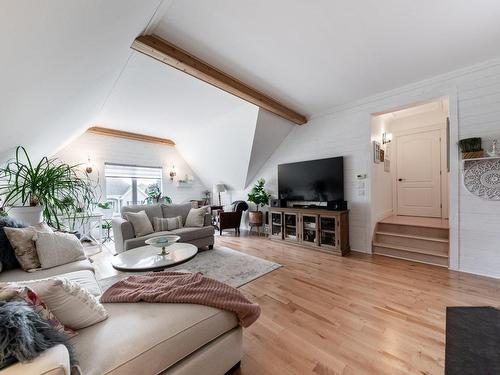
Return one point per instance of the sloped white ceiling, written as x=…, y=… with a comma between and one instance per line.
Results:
x=58, y=63
x=317, y=54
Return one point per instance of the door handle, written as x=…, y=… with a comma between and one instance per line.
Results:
x=400, y=179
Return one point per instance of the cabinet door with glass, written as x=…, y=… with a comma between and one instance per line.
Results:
x=309, y=229
x=328, y=232
x=276, y=225
x=290, y=226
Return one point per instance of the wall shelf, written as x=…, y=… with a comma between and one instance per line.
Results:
x=481, y=177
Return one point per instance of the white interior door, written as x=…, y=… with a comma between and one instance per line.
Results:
x=419, y=174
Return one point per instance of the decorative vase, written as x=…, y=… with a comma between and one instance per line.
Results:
x=28, y=215
x=255, y=218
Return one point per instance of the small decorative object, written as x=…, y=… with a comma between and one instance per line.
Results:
x=220, y=188
x=88, y=166
x=387, y=165
x=471, y=148
x=482, y=178
x=382, y=155
x=386, y=138
x=493, y=150
x=172, y=173
x=260, y=197
x=163, y=242
x=206, y=197
x=376, y=152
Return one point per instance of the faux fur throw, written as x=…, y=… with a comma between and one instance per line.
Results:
x=178, y=287
x=24, y=334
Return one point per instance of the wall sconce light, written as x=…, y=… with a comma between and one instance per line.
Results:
x=172, y=173
x=88, y=166
x=386, y=138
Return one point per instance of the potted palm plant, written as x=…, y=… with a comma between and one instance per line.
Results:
x=259, y=197
x=48, y=190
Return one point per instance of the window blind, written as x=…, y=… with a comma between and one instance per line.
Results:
x=132, y=171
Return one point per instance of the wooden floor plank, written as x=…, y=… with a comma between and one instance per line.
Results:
x=362, y=314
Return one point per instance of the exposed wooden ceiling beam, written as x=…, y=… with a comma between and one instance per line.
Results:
x=130, y=136
x=177, y=58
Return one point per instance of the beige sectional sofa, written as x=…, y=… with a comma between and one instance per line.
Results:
x=126, y=239
x=140, y=338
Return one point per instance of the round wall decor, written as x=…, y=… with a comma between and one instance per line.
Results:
x=482, y=178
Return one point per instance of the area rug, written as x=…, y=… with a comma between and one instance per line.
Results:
x=222, y=263
x=472, y=340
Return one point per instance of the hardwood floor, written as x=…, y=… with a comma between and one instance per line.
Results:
x=361, y=314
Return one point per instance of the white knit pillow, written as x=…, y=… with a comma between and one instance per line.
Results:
x=73, y=306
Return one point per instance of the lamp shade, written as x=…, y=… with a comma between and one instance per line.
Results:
x=220, y=188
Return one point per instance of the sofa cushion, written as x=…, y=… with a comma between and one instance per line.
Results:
x=161, y=224
x=20, y=275
x=140, y=222
x=191, y=234
x=146, y=338
x=173, y=210
x=152, y=210
x=196, y=217
x=23, y=243
x=57, y=248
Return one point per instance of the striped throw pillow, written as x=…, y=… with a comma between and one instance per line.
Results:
x=169, y=223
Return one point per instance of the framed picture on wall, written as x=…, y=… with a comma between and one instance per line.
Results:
x=387, y=165
x=376, y=152
x=382, y=155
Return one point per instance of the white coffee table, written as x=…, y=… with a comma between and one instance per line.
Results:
x=147, y=258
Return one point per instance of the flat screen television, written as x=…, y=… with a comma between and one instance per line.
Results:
x=319, y=180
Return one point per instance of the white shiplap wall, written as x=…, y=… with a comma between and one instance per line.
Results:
x=345, y=130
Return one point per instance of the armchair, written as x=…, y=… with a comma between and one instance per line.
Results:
x=232, y=219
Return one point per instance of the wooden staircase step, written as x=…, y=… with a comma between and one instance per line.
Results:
x=408, y=253
x=411, y=230
x=431, y=244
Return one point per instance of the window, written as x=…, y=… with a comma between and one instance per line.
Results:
x=128, y=184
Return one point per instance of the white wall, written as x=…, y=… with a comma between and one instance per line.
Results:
x=103, y=149
x=346, y=131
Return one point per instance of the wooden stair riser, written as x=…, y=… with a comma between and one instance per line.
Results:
x=414, y=230
x=423, y=244
x=417, y=257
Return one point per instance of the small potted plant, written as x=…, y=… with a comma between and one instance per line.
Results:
x=154, y=195
x=471, y=148
x=259, y=197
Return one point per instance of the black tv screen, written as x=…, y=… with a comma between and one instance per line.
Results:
x=314, y=180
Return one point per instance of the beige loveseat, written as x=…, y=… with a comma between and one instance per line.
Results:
x=140, y=338
x=125, y=238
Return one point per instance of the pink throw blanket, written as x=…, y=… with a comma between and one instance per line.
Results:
x=178, y=287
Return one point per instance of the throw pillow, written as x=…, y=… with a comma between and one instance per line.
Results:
x=25, y=334
x=161, y=224
x=55, y=249
x=196, y=217
x=23, y=293
x=21, y=240
x=7, y=255
x=74, y=306
x=140, y=222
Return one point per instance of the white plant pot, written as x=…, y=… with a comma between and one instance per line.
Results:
x=26, y=214
x=107, y=213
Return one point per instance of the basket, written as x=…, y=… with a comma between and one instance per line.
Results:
x=472, y=155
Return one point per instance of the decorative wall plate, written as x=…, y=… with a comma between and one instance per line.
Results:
x=482, y=178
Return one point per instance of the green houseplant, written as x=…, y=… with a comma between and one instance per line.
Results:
x=259, y=197
x=154, y=195
x=50, y=189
